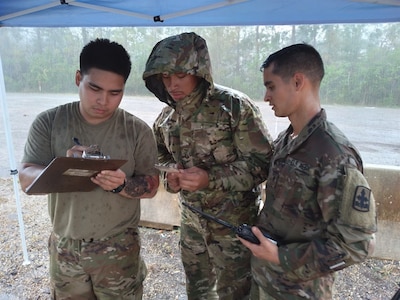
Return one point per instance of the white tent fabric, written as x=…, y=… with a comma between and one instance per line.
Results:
x=159, y=13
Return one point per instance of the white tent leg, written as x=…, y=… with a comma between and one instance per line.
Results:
x=13, y=168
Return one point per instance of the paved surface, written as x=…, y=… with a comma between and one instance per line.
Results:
x=375, y=131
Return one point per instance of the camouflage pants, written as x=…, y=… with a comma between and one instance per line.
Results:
x=264, y=295
x=274, y=283
x=110, y=268
x=217, y=265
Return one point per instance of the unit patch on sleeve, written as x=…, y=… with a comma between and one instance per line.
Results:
x=358, y=209
x=361, y=200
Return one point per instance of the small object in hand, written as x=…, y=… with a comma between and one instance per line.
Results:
x=244, y=231
x=93, y=152
x=170, y=168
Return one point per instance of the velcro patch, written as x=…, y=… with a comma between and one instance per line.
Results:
x=361, y=200
x=358, y=209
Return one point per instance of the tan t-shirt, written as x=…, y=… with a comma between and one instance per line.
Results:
x=96, y=214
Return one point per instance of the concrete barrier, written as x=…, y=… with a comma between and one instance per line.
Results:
x=162, y=211
x=385, y=185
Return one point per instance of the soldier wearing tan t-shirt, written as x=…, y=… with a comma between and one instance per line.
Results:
x=95, y=246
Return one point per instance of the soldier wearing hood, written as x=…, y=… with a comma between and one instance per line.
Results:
x=217, y=139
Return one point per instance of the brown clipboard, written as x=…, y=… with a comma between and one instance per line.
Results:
x=69, y=174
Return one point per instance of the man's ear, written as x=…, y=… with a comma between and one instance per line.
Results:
x=298, y=79
x=78, y=77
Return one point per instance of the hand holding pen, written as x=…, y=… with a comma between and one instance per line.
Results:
x=76, y=150
x=92, y=151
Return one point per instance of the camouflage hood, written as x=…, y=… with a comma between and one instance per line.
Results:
x=182, y=53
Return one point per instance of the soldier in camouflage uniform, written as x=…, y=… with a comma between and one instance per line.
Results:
x=94, y=246
x=218, y=140
x=318, y=205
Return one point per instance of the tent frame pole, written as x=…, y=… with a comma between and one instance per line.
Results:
x=13, y=168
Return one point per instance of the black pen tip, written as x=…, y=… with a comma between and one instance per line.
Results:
x=76, y=141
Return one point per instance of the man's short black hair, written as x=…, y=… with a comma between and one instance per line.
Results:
x=296, y=58
x=105, y=55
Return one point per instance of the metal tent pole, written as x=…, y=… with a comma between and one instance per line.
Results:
x=13, y=169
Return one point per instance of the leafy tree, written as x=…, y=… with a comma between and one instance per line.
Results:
x=362, y=61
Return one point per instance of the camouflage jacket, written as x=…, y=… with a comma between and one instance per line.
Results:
x=320, y=209
x=215, y=128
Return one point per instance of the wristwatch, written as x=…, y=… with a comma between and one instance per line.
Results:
x=118, y=189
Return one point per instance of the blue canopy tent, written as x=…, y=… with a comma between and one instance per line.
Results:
x=158, y=13
x=102, y=13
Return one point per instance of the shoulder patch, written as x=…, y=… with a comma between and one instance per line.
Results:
x=357, y=208
x=361, y=199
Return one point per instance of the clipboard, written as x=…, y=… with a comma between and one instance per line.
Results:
x=70, y=174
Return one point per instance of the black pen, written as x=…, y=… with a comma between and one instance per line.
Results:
x=76, y=141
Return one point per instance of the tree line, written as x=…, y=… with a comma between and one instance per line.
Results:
x=362, y=61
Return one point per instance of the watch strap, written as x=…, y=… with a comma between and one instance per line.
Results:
x=119, y=188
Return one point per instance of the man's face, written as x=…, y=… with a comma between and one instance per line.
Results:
x=100, y=94
x=281, y=94
x=179, y=85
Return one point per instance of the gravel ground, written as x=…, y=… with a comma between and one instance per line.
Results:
x=374, y=279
